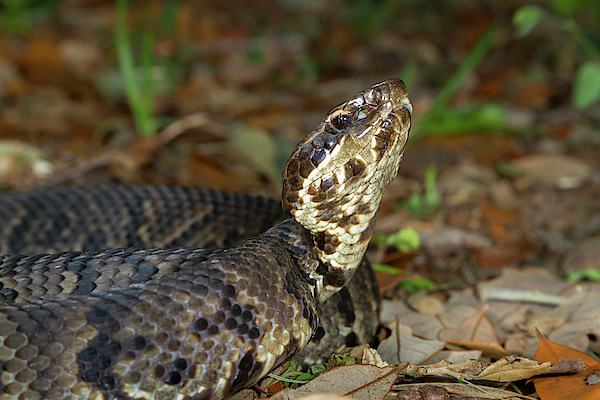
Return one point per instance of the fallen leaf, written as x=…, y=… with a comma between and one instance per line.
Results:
x=246, y=394
x=467, y=324
x=564, y=172
x=42, y=62
x=80, y=56
x=403, y=346
x=455, y=356
x=509, y=252
x=324, y=396
x=534, y=95
x=460, y=390
x=521, y=343
x=513, y=368
x=567, y=387
x=586, y=256
x=372, y=357
x=473, y=332
x=359, y=381
x=506, y=315
x=466, y=370
x=448, y=240
x=426, y=304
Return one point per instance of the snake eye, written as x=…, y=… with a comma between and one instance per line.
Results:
x=341, y=121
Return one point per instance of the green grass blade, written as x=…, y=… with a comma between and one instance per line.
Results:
x=141, y=113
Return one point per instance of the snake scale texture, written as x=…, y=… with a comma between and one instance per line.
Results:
x=158, y=320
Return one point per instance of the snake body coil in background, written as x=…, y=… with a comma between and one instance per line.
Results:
x=192, y=323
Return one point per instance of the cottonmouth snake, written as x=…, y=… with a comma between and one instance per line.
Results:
x=188, y=322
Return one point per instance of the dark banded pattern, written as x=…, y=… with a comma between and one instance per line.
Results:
x=193, y=323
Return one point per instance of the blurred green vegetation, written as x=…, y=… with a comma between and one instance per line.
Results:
x=139, y=88
x=405, y=240
x=423, y=205
x=586, y=89
x=18, y=17
x=143, y=76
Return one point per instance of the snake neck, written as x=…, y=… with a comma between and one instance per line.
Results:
x=300, y=244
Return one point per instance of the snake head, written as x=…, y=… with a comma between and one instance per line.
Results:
x=334, y=181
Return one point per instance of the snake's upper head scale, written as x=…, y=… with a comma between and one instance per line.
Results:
x=335, y=178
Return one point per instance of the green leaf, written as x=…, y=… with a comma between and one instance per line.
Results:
x=591, y=274
x=432, y=197
x=526, y=18
x=388, y=269
x=418, y=285
x=486, y=118
x=404, y=240
x=586, y=90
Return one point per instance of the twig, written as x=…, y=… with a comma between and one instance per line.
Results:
x=487, y=293
x=168, y=134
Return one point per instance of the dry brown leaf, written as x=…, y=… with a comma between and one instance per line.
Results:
x=372, y=357
x=389, y=281
x=359, y=381
x=324, y=396
x=521, y=343
x=403, y=346
x=512, y=368
x=585, y=256
x=564, y=172
x=474, y=332
x=507, y=315
x=567, y=387
x=357, y=352
x=508, y=252
x=425, y=304
x=455, y=356
x=245, y=394
x=583, y=315
x=466, y=370
x=467, y=391
x=444, y=241
x=492, y=350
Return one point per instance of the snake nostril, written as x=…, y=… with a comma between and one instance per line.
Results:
x=373, y=96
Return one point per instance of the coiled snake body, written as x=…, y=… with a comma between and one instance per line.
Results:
x=193, y=323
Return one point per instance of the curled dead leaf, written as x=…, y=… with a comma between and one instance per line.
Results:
x=359, y=381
